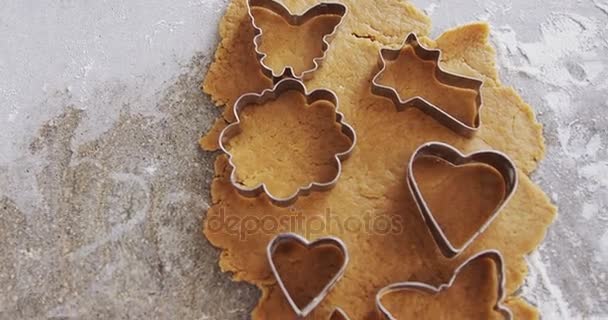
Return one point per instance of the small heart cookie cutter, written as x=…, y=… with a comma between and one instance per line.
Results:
x=292, y=237
x=494, y=255
x=254, y=99
x=496, y=160
x=445, y=77
x=326, y=8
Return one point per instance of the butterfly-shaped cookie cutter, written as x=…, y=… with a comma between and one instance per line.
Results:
x=326, y=8
x=257, y=99
x=493, y=255
x=445, y=77
x=494, y=159
x=295, y=238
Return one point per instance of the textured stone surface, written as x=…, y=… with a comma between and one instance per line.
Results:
x=118, y=231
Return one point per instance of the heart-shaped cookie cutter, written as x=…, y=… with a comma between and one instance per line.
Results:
x=496, y=160
x=445, y=77
x=256, y=99
x=326, y=8
x=292, y=237
x=494, y=255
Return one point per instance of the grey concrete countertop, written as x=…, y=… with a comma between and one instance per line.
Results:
x=102, y=188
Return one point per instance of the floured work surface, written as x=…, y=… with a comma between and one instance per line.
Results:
x=372, y=191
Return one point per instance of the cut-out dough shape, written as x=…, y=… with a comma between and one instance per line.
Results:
x=287, y=244
x=299, y=42
x=412, y=77
x=422, y=292
x=496, y=160
x=281, y=98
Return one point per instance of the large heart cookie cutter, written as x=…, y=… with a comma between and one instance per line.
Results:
x=448, y=78
x=280, y=88
x=443, y=151
x=329, y=8
x=294, y=238
x=493, y=255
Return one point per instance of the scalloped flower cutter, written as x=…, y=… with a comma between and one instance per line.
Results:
x=286, y=238
x=493, y=255
x=441, y=75
x=258, y=99
x=329, y=8
x=443, y=151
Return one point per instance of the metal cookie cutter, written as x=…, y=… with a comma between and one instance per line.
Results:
x=494, y=255
x=338, y=314
x=329, y=8
x=421, y=103
x=253, y=99
x=443, y=151
x=294, y=238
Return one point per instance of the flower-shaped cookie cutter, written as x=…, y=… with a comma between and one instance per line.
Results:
x=294, y=238
x=326, y=8
x=494, y=159
x=445, y=77
x=257, y=99
x=493, y=255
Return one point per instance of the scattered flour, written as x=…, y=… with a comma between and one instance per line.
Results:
x=596, y=173
x=589, y=210
x=431, y=8
x=567, y=67
x=555, y=308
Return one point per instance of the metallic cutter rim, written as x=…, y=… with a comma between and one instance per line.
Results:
x=497, y=160
x=338, y=313
x=445, y=77
x=291, y=237
x=494, y=255
x=325, y=8
x=280, y=88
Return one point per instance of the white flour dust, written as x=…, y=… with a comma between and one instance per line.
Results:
x=566, y=70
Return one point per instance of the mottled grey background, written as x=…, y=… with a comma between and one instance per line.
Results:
x=102, y=187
